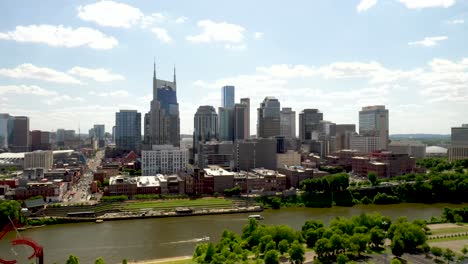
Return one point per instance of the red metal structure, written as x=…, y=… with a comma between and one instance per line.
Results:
x=38, y=250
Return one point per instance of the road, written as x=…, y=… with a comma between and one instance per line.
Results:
x=81, y=191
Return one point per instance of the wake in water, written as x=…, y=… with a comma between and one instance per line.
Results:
x=195, y=240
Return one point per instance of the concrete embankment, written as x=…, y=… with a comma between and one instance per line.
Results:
x=154, y=214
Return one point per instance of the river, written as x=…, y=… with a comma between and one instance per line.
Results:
x=171, y=237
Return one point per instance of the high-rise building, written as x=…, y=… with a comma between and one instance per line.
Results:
x=268, y=121
x=228, y=96
x=38, y=159
x=255, y=153
x=343, y=135
x=40, y=140
x=162, y=122
x=459, y=144
x=205, y=125
x=113, y=134
x=64, y=135
x=288, y=122
x=226, y=124
x=19, y=138
x=309, y=124
x=165, y=159
x=216, y=153
x=246, y=102
x=374, y=122
x=99, y=131
x=4, y=119
x=365, y=144
x=241, y=119
x=128, y=130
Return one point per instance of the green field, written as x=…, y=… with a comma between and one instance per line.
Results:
x=172, y=204
x=448, y=239
x=452, y=230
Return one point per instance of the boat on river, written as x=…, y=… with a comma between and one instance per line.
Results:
x=99, y=221
x=256, y=217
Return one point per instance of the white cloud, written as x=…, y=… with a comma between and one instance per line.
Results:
x=58, y=99
x=365, y=5
x=218, y=32
x=150, y=20
x=181, y=19
x=416, y=4
x=25, y=89
x=60, y=36
x=428, y=41
x=161, y=34
x=111, y=14
x=258, y=35
x=99, y=75
x=118, y=93
x=288, y=71
x=30, y=71
x=456, y=21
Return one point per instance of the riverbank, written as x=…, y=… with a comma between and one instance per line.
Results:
x=174, y=260
x=148, y=214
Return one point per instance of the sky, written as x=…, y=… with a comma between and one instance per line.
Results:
x=71, y=64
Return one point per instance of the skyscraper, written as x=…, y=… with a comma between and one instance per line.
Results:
x=309, y=124
x=343, y=135
x=246, y=102
x=99, y=132
x=162, y=122
x=458, y=149
x=373, y=121
x=19, y=139
x=268, y=122
x=226, y=124
x=4, y=119
x=40, y=140
x=288, y=122
x=128, y=130
x=228, y=96
x=205, y=125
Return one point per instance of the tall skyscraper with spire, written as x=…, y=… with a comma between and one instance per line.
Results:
x=162, y=122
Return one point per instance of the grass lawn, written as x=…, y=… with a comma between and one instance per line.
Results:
x=213, y=202
x=451, y=230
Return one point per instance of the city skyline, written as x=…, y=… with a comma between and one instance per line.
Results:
x=414, y=66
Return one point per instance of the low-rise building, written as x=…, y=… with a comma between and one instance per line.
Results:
x=289, y=158
x=365, y=144
x=260, y=181
x=122, y=185
x=296, y=174
x=221, y=178
x=411, y=148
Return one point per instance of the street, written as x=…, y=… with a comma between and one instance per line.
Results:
x=81, y=191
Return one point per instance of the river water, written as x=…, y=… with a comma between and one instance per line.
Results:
x=170, y=237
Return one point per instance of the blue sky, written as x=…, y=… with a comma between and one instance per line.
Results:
x=65, y=63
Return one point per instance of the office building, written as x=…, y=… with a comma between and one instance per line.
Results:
x=288, y=122
x=19, y=138
x=226, y=124
x=4, y=120
x=216, y=154
x=288, y=158
x=309, y=121
x=40, y=140
x=268, y=121
x=255, y=153
x=228, y=96
x=374, y=122
x=162, y=122
x=343, y=135
x=99, y=131
x=242, y=119
x=205, y=125
x=165, y=159
x=39, y=159
x=411, y=148
x=458, y=148
x=128, y=130
x=365, y=144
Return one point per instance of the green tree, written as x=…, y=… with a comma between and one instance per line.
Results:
x=359, y=243
x=395, y=261
x=271, y=257
x=124, y=261
x=99, y=261
x=448, y=254
x=8, y=209
x=464, y=251
x=376, y=236
x=72, y=260
x=436, y=251
x=270, y=246
x=397, y=246
x=283, y=246
x=210, y=252
x=342, y=259
x=296, y=252
x=372, y=176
